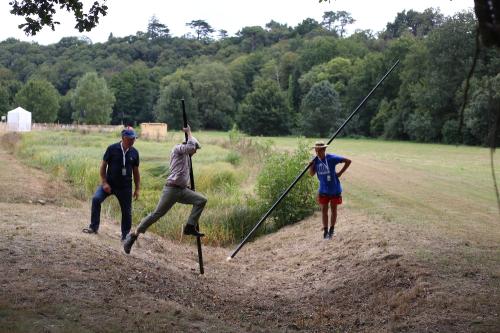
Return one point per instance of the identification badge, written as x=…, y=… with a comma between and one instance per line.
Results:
x=329, y=178
x=124, y=172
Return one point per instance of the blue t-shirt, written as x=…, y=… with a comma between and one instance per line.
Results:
x=329, y=183
x=114, y=157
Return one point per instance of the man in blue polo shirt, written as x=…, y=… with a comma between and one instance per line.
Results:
x=119, y=165
x=330, y=190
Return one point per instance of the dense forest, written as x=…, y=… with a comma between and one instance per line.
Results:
x=272, y=80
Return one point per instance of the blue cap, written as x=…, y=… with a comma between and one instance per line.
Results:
x=129, y=133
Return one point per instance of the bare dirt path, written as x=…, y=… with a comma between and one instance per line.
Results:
x=370, y=278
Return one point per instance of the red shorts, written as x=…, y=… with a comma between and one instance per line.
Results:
x=325, y=199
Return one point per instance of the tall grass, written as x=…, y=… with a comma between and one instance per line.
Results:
x=70, y=156
x=225, y=172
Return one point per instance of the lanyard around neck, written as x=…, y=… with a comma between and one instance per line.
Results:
x=325, y=163
x=123, y=152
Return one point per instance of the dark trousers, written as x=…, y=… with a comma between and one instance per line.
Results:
x=124, y=197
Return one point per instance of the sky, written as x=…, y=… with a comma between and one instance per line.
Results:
x=126, y=17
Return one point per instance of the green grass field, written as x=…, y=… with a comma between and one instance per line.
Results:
x=440, y=187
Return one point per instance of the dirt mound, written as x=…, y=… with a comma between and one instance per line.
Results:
x=368, y=278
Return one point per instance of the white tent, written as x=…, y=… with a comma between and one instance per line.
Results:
x=19, y=120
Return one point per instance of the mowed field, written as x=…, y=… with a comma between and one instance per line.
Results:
x=441, y=196
x=417, y=249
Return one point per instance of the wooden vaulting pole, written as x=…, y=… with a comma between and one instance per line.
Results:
x=191, y=176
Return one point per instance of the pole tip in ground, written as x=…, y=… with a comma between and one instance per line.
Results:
x=229, y=258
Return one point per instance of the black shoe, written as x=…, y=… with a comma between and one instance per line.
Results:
x=89, y=230
x=325, y=234
x=331, y=233
x=129, y=241
x=191, y=230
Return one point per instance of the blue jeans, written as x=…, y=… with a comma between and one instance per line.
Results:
x=124, y=197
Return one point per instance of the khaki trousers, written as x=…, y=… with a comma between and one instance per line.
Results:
x=169, y=197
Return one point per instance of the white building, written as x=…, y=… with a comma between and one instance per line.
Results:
x=19, y=120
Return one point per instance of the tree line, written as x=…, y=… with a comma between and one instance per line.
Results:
x=272, y=80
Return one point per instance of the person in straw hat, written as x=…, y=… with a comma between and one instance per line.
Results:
x=330, y=190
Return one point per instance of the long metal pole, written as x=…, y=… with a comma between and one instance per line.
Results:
x=307, y=167
x=191, y=176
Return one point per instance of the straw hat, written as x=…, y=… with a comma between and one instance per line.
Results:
x=319, y=145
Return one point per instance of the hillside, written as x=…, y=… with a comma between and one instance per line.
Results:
x=375, y=276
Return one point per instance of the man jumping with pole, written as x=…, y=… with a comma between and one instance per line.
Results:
x=175, y=190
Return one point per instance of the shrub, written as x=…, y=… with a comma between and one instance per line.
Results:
x=279, y=171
